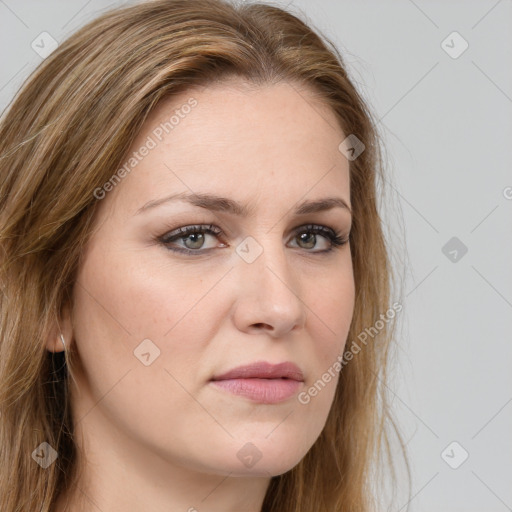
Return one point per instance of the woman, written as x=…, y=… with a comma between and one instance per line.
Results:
x=192, y=258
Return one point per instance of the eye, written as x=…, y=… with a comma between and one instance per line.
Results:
x=308, y=236
x=193, y=238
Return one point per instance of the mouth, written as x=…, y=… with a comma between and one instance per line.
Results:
x=262, y=382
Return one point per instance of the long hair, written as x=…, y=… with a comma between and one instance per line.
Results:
x=66, y=131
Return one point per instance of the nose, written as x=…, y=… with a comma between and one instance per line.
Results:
x=268, y=293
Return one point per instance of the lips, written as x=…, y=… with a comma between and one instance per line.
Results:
x=261, y=382
x=264, y=370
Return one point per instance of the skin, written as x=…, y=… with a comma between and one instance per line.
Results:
x=161, y=437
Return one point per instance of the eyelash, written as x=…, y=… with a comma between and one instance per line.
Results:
x=336, y=239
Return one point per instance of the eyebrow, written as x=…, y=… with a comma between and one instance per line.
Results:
x=223, y=204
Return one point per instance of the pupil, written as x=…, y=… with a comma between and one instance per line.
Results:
x=304, y=237
x=197, y=237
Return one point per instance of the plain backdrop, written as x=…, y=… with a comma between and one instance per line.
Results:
x=438, y=78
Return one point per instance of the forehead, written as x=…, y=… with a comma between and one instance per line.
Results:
x=231, y=138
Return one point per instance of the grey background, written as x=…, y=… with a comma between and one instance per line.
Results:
x=447, y=127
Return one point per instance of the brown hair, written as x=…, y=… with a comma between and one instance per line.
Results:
x=65, y=132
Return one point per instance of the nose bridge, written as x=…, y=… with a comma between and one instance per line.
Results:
x=270, y=283
x=268, y=259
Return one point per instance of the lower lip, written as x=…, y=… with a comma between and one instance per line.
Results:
x=266, y=391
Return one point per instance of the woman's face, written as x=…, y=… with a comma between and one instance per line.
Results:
x=155, y=320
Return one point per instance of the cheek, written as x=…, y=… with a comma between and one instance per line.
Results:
x=136, y=299
x=329, y=321
x=119, y=306
x=121, y=301
x=330, y=312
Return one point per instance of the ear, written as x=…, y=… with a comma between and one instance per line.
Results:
x=62, y=326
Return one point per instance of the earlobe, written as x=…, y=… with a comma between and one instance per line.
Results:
x=63, y=341
x=58, y=343
x=55, y=343
x=61, y=336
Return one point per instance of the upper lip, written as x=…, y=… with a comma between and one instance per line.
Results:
x=264, y=370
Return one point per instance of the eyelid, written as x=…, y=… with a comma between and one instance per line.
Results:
x=170, y=232
x=234, y=230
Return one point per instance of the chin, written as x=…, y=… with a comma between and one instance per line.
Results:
x=261, y=458
x=262, y=470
